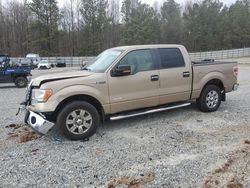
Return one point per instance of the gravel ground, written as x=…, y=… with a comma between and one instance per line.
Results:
x=177, y=148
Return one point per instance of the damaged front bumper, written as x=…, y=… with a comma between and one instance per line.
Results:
x=37, y=122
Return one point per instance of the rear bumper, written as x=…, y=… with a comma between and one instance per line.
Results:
x=236, y=86
x=37, y=122
x=232, y=87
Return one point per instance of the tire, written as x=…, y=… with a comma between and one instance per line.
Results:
x=21, y=82
x=75, y=117
x=210, y=99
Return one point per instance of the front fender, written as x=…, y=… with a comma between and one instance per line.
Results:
x=81, y=90
x=59, y=96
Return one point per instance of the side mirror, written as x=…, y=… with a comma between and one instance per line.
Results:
x=121, y=70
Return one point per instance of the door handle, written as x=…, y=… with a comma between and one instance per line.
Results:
x=154, y=77
x=186, y=74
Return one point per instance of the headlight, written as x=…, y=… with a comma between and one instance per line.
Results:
x=40, y=95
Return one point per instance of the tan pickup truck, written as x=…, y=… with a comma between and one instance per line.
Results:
x=123, y=82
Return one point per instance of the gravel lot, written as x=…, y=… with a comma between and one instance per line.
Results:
x=177, y=148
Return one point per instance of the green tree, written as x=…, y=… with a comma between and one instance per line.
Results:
x=94, y=13
x=171, y=22
x=238, y=25
x=127, y=7
x=203, y=24
x=141, y=25
x=44, y=28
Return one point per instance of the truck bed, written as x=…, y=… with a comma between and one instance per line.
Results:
x=207, y=69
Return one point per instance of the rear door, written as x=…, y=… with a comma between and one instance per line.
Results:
x=138, y=90
x=175, y=76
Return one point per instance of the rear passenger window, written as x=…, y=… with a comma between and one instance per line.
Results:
x=171, y=57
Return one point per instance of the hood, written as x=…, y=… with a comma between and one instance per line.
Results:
x=59, y=76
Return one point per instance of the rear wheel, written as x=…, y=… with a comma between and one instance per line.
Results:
x=78, y=120
x=210, y=99
x=21, y=82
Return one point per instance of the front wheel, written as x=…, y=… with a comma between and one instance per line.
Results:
x=210, y=99
x=78, y=120
x=21, y=82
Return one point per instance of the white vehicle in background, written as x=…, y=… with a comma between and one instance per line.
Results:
x=44, y=64
x=35, y=58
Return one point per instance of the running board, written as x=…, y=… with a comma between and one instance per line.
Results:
x=133, y=114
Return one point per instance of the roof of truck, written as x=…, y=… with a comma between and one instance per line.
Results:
x=148, y=46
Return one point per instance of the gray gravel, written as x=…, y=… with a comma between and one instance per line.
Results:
x=178, y=148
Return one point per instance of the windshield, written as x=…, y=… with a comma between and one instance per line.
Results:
x=103, y=61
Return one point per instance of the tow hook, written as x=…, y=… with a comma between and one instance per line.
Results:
x=21, y=107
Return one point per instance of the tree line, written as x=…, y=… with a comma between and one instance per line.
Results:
x=87, y=27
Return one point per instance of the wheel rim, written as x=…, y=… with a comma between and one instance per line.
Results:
x=79, y=121
x=212, y=99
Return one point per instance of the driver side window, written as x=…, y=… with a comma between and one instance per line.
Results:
x=138, y=60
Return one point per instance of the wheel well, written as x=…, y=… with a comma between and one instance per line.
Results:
x=18, y=76
x=218, y=83
x=86, y=98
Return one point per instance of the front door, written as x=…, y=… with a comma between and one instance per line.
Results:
x=138, y=90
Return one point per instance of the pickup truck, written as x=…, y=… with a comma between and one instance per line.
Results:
x=13, y=74
x=123, y=82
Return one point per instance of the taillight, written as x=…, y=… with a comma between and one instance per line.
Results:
x=235, y=71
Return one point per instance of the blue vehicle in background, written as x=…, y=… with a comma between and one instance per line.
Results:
x=13, y=73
